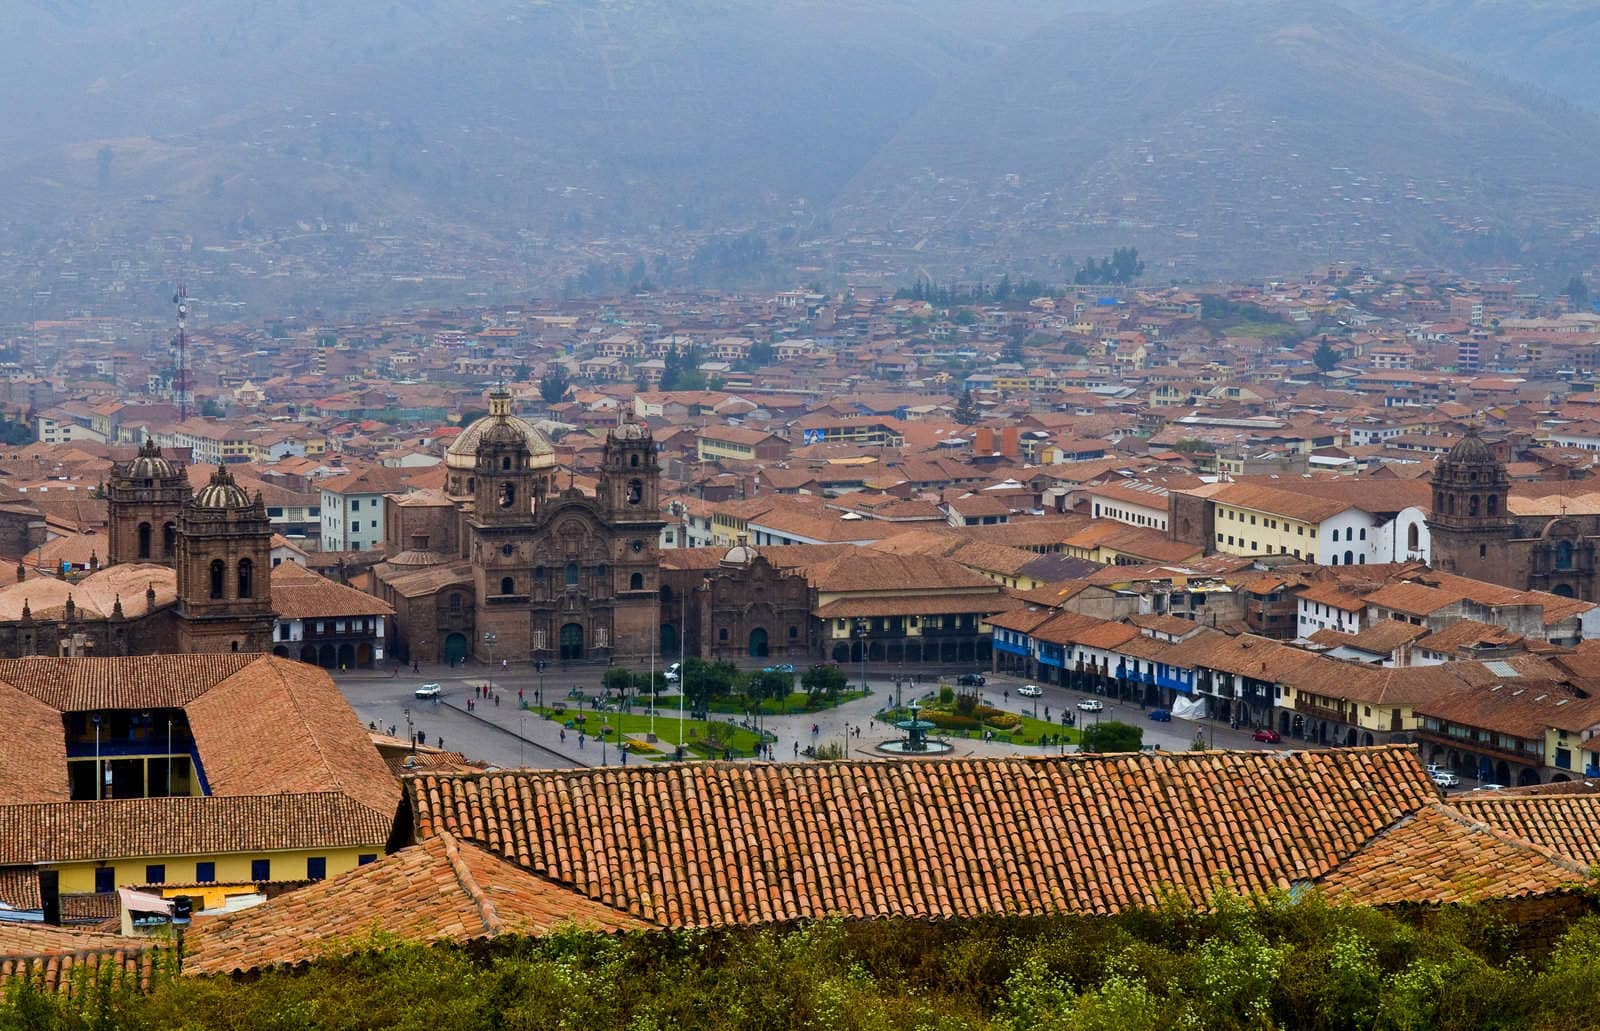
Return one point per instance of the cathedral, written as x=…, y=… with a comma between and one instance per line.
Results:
x=505, y=564
x=186, y=571
x=1481, y=529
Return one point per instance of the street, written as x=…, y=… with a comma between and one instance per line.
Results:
x=504, y=735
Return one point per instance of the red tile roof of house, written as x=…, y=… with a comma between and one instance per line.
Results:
x=719, y=844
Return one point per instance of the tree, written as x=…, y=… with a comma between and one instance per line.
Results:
x=1111, y=736
x=1577, y=292
x=967, y=409
x=769, y=685
x=681, y=369
x=1326, y=357
x=616, y=681
x=1121, y=268
x=554, y=385
x=822, y=682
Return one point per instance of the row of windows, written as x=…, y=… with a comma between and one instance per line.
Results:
x=105, y=877
x=508, y=584
x=1271, y=524
x=245, y=582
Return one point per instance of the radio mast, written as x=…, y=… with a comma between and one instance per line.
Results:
x=180, y=377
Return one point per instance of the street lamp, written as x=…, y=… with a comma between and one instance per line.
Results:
x=411, y=734
x=490, y=638
x=97, y=774
x=862, y=625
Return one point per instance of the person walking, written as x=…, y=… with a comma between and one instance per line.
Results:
x=797, y=749
x=580, y=740
x=563, y=736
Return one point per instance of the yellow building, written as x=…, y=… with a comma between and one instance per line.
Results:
x=189, y=774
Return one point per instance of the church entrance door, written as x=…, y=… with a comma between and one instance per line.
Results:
x=455, y=648
x=758, y=643
x=571, y=642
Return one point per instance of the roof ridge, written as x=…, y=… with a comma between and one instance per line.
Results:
x=1566, y=862
x=487, y=913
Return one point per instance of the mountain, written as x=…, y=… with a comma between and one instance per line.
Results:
x=1234, y=139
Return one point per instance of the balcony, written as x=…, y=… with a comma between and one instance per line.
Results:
x=1336, y=713
x=1527, y=756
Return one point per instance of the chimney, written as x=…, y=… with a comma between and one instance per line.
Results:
x=1008, y=442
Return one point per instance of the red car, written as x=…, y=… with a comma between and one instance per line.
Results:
x=1268, y=735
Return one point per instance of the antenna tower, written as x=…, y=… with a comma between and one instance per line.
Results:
x=180, y=377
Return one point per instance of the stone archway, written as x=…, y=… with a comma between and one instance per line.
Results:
x=280, y=651
x=758, y=648
x=571, y=642
x=347, y=656
x=1527, y=776
x=327, y=657
x=455, y=648
x=841, y=652
x=363, y=656
x=308, y=655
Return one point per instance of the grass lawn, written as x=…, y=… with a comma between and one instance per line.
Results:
x=1028, y=733
x=795, y=702
x=742, y=742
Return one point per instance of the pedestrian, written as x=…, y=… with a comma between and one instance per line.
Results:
x=414, y=667
x=624, y=752
x=497, y=699
x=580, y=740
x=797, y=749
x=441, y=742
x=563, y=736
x=519, y=696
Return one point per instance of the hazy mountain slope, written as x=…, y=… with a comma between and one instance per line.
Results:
x=1553, y=44
x=1233, y=137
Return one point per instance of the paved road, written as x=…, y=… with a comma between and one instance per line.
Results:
x=503, y=735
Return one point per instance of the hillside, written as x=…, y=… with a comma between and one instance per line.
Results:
x=1233, y=138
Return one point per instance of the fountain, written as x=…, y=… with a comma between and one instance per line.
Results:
x=916, y=740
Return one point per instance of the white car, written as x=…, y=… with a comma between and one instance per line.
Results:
x=1029, y=691
x=1091, y=705
x=429, y=691
x=672, y=673
x=1446, y=779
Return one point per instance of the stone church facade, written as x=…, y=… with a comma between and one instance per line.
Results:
x=504, y=564
x=1481, y=530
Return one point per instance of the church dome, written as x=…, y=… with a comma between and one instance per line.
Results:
x=741, y=554
x=1470, y=450
x=221, y=493
x=630, y=431
x=463, y=451
x=414, y=557
x=150, y=464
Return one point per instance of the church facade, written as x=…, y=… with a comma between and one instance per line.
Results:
x=504, y=564
x=1480, y=529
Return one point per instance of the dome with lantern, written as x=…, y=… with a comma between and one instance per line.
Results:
x=499, y=427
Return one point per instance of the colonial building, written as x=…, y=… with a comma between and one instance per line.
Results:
x=1480, y=529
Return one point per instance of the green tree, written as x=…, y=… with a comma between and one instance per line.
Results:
x=554, y=384
x=769, y=685
x=616, y=681
x=760, y=356
x=822, y=683
x=967, y=409
x=1111, y=736
x=681, y=369
x=1577, y=292
x=1325, y=357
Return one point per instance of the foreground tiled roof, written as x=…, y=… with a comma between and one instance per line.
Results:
x=1568, y=824
x=1440, y=855
x=717, y=844
x=437, y=890
x=56, y=959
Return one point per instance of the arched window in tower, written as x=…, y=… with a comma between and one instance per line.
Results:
x=1450, y=504
x=169, y=540
x=572, y=574
x=1349, y=557
x=1563, y=554
x=505, y=462
x=635, y=491
x=1493, y=504
x=219, y=572
x=633, y=460
x=247, y=578
x=144, y=540
x=455, y=603
x=636, y=582
x=508, y=495
x=1472, y=505
x=1413, y=538
x=508, y=585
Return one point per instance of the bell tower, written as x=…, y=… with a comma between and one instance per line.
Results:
x=503, y=476
x=224, y=560
x=1469, y=525
x=144, y=500
x=630, y=493
x=630, y=474
x=501, y=531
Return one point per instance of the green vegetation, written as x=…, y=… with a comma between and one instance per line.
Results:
x=959, y=715
x=1273, y=962
x=708, y=738
x=681, y=370
x=795, y=701
x=1121, y=268
x=554, y=384
x=1325, y=357
x=1112, y=736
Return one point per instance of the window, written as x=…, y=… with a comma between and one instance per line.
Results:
x=602, y=571
x=455, y=603
x=205, y=873
x=218, y=571
x=105, y=879
x=144, y=540
x=247, y=582
x=366, y=857
x=636, y=582
x=635, y=491
x=1483, y=550
x=355, y=505
x=169, y=540
x=1363, y=533
x=155, y=873
x=261, y=870
x=508, y=550
x=505, y=463
x=1563, y=554
x=508, y=495
x=508, y=585
x=794, y=631
x=316, y=868
x=572, y=574
x=722, y=635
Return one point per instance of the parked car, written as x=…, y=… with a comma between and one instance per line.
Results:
x=1446, y=779
x=429, y=691
x=1161, y=715
x=1029, y=691
x=1491, y=787
x=1268, y=735
x=1433, y=768
x=782, y=667
x=1091, y=705
x=672, y=673
x=971, y=680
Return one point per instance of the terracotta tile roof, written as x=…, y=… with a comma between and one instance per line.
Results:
x=438, y=890
x=19, y=887
x=1441, y=855
x=58, y=832
x=918, y=605
x=142, y=682
x=1567, y=824
x=1464, y=633
x=298, y=593
x=1521, y=707
x=57, y=959
x=718, y=844
x=867, y=570
x=1380, y=638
